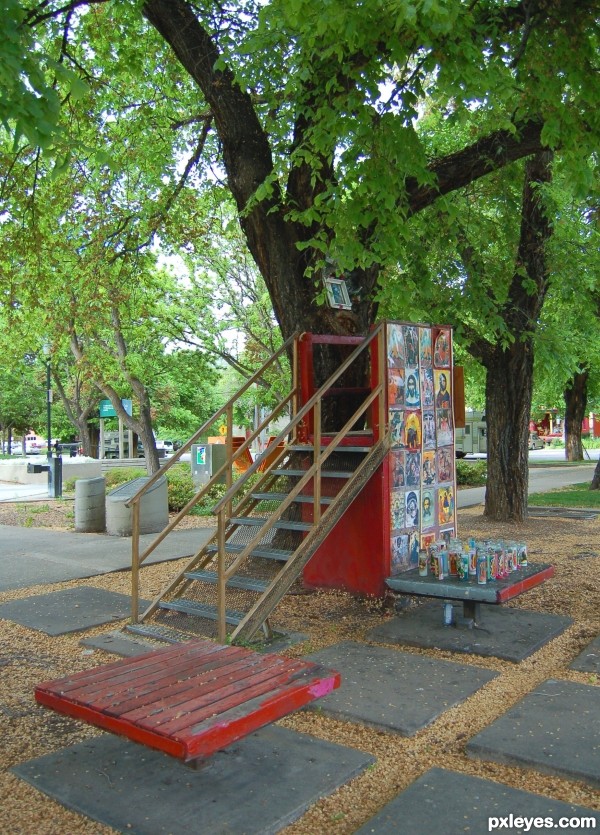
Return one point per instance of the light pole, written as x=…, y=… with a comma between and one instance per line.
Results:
x=49, y=407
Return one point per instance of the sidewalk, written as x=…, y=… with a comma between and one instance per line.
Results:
x=32, y=556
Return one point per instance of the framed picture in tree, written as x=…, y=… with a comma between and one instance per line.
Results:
x=337, y=294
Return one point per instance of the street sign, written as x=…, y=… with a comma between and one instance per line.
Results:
x=108, y=410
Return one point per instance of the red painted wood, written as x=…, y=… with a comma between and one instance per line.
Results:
x=518, y=587
x=189, y=700
x=355, y=555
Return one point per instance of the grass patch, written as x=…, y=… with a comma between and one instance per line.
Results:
x=571, y=495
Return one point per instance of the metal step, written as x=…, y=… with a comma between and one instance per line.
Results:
x=201, y=610
x=340, y=448
x=279, y=554
x=280, y=497
x=247, y=583
x=159, y=633
x=258, y=523
x=324, y=473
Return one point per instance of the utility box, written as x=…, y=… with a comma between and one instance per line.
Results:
x=207, y=459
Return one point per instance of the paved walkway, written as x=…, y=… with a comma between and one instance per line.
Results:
x=32, y=556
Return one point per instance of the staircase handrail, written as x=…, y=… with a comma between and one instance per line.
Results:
x=219, y=413
x=300, y=415
x=135, y=501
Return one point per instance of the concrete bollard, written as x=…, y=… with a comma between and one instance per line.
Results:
x=154, y=509
x=90, y=505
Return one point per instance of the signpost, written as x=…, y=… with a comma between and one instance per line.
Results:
x=107, y=410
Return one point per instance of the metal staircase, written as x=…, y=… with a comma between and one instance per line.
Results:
x=274, y=517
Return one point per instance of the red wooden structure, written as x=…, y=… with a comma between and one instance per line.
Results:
x=191, y=699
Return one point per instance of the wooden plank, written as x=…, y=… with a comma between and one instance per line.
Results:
x=191, y=699
x=175, y=697
x=171, y=681
x=196, y=710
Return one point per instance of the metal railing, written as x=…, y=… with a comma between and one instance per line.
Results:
x=227, y=469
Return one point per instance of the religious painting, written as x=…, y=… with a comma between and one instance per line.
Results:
x=397, y=461
x=397, y=428
x=413, y=431
x=428, y=516
x=411, y=345
x=429, y=472
x=427, y=388
x=412, y=395
x=399, y=555
x=395, y=387
x=441, y=353
x=443, y=398
x=412, y=509
x=395, y=346
x=445, y=465
x=445, y=504
x=413, y=469
x=429, y=434
x=425, y=347
x=443, y=427
x=397, y=509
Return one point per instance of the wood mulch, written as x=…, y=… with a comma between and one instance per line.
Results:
x=28, y=657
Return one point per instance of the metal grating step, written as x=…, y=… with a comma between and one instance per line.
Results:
x=159, y=633
x=279, y=554
x=281, y=525
x=341, y=449
x=280, y=497
x=324, y=473
x=201, y=610
x=246, y=583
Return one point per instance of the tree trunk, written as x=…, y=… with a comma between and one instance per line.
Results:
x=509, y=378
x=575, y=405
x=595, y=485
x=509, y=384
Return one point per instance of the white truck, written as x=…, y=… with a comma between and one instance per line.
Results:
x=471, y=440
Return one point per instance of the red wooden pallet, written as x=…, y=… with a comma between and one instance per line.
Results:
x=191, y=699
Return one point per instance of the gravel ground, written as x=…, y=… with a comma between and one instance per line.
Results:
x=28, y=657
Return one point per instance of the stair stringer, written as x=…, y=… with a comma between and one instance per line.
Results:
x=292, y=569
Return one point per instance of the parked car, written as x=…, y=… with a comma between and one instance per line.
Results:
x=535, y=442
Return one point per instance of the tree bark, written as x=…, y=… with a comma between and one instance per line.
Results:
x=509, y=383
x=575, y=395
x=509, y=380
x=595, y=485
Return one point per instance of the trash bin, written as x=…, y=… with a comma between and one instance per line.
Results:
x=90, y=505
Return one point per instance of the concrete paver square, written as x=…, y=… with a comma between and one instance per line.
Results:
x=70, y=610
x=588, y=661
x=447, y=803
x=395, y=690
x=555, y=729
x=257, y=786
x=511, y=634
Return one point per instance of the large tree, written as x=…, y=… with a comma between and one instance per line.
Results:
x=312, y=110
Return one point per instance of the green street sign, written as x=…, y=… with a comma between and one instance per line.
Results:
x=108, y=410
